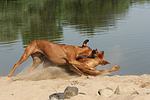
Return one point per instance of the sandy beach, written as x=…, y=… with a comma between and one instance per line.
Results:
x=44, y=82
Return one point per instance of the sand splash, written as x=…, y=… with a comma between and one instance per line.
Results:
x=41, y=73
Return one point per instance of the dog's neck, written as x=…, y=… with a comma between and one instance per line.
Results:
x=83, y=51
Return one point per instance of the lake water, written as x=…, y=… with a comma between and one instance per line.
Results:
x=121, y=28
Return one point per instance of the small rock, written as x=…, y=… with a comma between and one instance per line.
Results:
x=107, y=92
x=71, y=91
x=57, y=96
x=68, y=93
x=125, y=89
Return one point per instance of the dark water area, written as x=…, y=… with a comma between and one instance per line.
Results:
x=120, y=28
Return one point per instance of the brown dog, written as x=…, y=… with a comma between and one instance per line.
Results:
x=98, y=59
x=59, y=54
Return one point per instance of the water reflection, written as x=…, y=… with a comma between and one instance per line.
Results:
x=45, y=19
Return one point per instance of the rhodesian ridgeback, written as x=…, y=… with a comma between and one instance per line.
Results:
x=93, y=62
x=59, y=54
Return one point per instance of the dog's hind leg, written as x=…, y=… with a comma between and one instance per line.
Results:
x=93, y=71
x=115, y=68
x=37, y=59
x=28, y=51
x=98, y=72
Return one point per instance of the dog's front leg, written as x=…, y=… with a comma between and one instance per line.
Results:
x=76, y=70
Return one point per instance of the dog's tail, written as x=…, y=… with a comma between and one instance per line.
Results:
x=85, y=42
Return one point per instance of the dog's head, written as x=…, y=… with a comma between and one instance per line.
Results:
x=85, y=50
x=100, y=56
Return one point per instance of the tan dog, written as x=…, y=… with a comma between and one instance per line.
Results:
x=98, y=59
x=59, y=54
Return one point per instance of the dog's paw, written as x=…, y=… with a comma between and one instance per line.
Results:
x=116, y=68
x=9, y=75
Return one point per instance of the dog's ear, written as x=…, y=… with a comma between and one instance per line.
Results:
x=94, y=51
x=85, y=42
x=101, y=55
